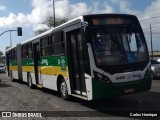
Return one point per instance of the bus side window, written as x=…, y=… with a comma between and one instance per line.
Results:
x=57, y=46
x=30, y=50
x=45, y=50
x=52, y=46
x=24, y=51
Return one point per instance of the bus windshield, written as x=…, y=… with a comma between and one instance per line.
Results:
x=117, y=46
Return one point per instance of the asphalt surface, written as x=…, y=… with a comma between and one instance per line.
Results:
x=18, y=97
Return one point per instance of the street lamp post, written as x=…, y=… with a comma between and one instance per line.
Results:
x=10, y=35
x=151, y=41
x=150, y=33
x=10, y=38
x=19, y=31
x=54, y=12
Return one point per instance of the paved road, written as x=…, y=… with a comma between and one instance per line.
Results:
x=15, y=96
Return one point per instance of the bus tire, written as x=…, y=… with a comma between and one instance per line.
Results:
x=11, y=76
x=30, y=84
x=63, y=89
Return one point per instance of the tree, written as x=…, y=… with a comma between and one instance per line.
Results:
x=39, y=31
x=58, y=21
x=1, y=53
x=50, y=23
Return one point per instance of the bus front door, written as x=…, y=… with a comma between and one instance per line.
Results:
x=76, y=68
x=7, y=64
x=36, y=57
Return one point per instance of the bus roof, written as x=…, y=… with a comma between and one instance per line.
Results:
x=52, y=30
x=38, y=36
x=10, y=48
x=47, y=32
x=108, y=14
x=81, y=18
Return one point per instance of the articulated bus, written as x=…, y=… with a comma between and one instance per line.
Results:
x=90, y=57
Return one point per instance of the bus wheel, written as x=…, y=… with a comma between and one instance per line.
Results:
x=63, y=90
x=30, y=81
x=11, y=76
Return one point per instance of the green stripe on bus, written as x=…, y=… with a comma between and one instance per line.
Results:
x=48, y=61
x=13, y=63
x=27, y=62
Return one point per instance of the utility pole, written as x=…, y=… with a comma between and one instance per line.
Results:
x=19, y=33
x=54, y=12
x=10, y=38
x=150, y=31
x=151, y=41
x=10, y=35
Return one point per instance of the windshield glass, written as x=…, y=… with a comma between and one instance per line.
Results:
x=115, y=46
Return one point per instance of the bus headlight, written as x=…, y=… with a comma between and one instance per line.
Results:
x=101, y=77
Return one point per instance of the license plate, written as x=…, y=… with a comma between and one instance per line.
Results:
x=129, y=90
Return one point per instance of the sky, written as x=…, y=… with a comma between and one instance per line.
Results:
x=30, y=14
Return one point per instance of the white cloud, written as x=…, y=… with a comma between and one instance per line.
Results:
x=41, y=9
x=124, y=6
x=40, y=26
x=2, y=7
x=146, y=18
x=44, y=8
x=65, y=9
x=151, y=11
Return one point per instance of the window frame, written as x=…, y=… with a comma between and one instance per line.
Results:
x=25, y=49
x=44, y=46
x=58, y=40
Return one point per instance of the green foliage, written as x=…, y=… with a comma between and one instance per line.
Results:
x=39, y=31
x=58, y=21
x=1, y=53
x=50, y=23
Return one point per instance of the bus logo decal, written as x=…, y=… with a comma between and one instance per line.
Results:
x=120, y=77
x=63, y=65
x=137, y=75
x=44, y=61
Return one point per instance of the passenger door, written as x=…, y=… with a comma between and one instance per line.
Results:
x=7, y=63
x=36, y=57
x=76, y=67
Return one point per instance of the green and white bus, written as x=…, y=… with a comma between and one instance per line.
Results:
x=90, y=57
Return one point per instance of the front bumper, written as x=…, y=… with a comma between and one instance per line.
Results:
x=103, y=90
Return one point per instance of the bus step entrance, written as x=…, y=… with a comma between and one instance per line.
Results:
x=39, y=85
x=80, y=96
